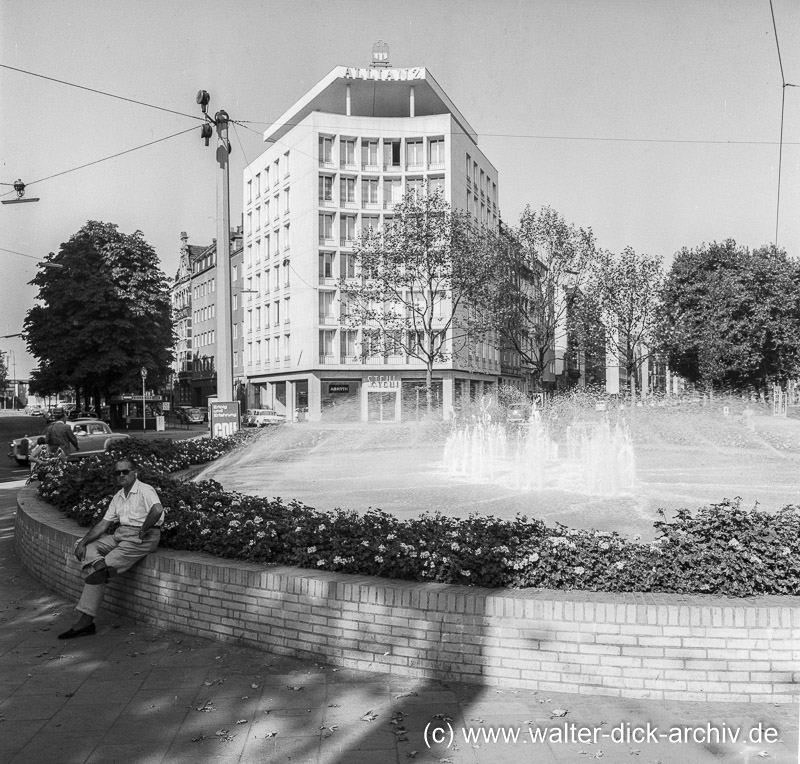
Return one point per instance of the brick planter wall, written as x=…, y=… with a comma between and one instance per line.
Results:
x=657, y=646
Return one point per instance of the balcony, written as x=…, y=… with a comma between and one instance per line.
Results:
x=327, y=242
x=370, y=168
x=393, y=168
x=389, y=205
x=327, y=164
x=436, y=166
x=347, y=242
x=349, y=205
x=415, y=167
x=327, y=281
x=348, y=166
x=327, y=203
x=328, y=360
x=370, y=205
x=328, y=321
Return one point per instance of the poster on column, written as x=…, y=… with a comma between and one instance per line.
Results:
x=224, y=418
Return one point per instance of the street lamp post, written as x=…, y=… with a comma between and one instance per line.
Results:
x=224, y=344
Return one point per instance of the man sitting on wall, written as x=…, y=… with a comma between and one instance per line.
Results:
x=137, y=509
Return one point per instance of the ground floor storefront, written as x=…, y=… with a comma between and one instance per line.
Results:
x=349, y=396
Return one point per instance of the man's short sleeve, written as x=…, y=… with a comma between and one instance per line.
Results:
x=149, y=495
x=111, y=513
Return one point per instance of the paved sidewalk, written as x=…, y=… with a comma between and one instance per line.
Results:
x=140, y=695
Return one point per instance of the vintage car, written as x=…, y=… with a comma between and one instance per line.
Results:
x=94, y=437
x=263, y=417
x=190, y=415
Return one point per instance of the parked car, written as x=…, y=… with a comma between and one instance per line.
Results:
x=263, y=417
x=35, y=410
x=94, y=437
x=190, y=415
x=53, y=413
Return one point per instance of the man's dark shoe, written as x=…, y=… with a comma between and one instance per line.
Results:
x=84, y=632
x=98, y=576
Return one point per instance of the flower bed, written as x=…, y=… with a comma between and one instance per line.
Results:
x=721, y=549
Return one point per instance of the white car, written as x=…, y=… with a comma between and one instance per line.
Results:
x=263, y=417
x=93, y=437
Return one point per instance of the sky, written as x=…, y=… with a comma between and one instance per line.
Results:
x=657, y=124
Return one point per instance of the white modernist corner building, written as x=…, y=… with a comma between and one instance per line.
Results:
x=338, y=161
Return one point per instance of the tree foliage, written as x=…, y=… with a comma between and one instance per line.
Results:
x=103, y=314
x=617, y=310
x=731, y=316
x=539, y=265
x=419, y=283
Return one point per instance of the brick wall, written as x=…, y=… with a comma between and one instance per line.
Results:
x=659, y=646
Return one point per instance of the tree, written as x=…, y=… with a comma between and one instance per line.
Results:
x=541, y=263
x=419, y=283
x=617, y=309
x=731, y=316
x=3, y=374
x=104, y=313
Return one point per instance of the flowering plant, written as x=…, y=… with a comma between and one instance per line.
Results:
x=721, y=549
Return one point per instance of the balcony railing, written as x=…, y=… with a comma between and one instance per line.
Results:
x=436, y=166
x=328, y=321
x=328, y=359
x=327, y=203
x=392, y=168
x=346, y=242
x=370, y=168
x=327, y=164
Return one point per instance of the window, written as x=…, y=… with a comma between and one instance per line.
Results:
x=325, y=188
x=325, y=306
x=286, y=165
x=266, y=178
x=368, y=222
x=258, y=351
x=414, y=154
x=347, y=152
x=347, y=229
x=267, y=250
x=436, y=184
x=369, y=153
x=414, y=186
x=391, y=154
x=348, y=266
x=258, y=185
x=287, y=352
x=258, y=218
x=469, y=166
x=326, y=337
x=249, y=191
x=286, y=240
x=325, y=149
x=392, y=191
x=436, y=154
x=235, y=302
x=369, y=191
x=258, y=318
x=325, y=227
x=347, y=343
x=326, y=260
x=277, y=304
x=286, y=310
x=277, y=238
x=276, y=206
x=286, y=202
x=266, y=212
x=347, y=191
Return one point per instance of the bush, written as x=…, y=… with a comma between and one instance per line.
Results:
x=722, y=549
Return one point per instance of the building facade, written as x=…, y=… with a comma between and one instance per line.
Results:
x=338, y=161
x=195, y=320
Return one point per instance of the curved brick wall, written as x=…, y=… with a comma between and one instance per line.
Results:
x=633, y=645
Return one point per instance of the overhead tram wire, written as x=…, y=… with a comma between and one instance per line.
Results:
x=105, y=159
x=784, y=85
x=100, y=92
x=395, y=131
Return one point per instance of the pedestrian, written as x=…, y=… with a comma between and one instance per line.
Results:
x=59, y=435
x=137, y=509
x=38, y=456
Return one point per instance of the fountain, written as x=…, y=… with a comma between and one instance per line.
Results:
x=599, y=461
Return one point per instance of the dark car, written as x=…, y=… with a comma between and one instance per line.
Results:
x=93, y=437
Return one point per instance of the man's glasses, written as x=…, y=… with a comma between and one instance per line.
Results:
x=118, y=473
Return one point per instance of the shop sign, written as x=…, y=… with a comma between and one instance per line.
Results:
x=352, y=73
x=382, y=382
x=338, y=388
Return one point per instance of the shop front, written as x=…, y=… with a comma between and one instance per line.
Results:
x=131, y=412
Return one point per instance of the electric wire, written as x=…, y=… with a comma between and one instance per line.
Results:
x=105, y=159
x=101, y=92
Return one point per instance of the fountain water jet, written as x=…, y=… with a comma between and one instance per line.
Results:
x=600, y=458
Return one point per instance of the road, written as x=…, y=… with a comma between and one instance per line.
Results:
x=15, y=425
